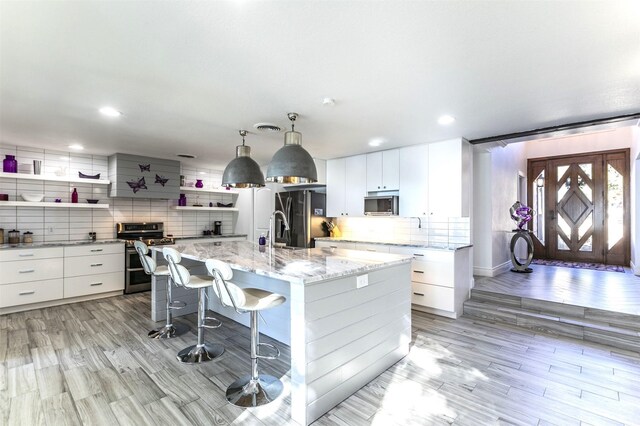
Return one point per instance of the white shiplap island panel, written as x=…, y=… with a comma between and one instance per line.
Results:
x=341, y=336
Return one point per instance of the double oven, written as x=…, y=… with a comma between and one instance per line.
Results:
x=152, y=234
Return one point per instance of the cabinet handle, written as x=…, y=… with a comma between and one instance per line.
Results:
x=95, y=284
x=418, y=272
x=333, y=246
x=346, y=214
x=384, y=187
x=371, y=249
x=25, y=255
x=418, y=254
x=378, y=187
x=26, y=271
x=25, y=293
x=96, y=264
x=95, y=250
x=418, y=294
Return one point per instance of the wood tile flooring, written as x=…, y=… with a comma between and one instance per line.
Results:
x=613, y=291
x=91, y=363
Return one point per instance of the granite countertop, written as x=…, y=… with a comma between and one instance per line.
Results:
x=213, y=237
x=399, y=243
x=297, y=266
x=58, y=244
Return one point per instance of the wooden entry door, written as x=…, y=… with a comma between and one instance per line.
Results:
x=582, y=207
x=575, y=220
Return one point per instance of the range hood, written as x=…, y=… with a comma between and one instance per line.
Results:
x=134, y=176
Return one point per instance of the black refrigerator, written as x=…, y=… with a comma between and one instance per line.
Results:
x=305, y=210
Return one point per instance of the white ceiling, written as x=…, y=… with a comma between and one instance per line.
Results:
x=188, y=75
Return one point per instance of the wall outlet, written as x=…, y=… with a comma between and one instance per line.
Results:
x=362, y=281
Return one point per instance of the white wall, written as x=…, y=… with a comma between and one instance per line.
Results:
x=635, y=188
x=482, y=206
x=578, y=144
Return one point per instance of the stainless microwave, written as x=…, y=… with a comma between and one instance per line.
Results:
x=385, y=205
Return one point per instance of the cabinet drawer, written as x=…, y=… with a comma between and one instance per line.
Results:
x=11, y=255
x=93, y=249
x=93, y=284
x=378, y=248
x=30, y=292
x=90, y=265
x=336, y=244
x=432, y=296
x=438, y=273
x=425, y=254
x=31, y=270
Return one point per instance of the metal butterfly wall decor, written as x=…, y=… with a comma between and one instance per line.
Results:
x=161, y=180
x=137, y=185
x=144, y=167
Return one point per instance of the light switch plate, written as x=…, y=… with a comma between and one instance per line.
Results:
x=362, y=281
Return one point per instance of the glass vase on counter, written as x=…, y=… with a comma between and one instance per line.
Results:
x=10, y=164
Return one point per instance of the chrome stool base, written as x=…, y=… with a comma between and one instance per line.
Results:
x=247, y=392
x=195, y=354
x=168, y=332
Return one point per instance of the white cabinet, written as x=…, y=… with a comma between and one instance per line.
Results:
x=449, y=178
x=378, y=248
x=414, y=181
x=30, y=276
x=346, y=186
x=383, y=171
x=440, y=279
x=93, y=268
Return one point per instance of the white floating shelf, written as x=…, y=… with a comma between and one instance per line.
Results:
x=219, y=209
x=53, y=178
x=52, y=204
x=212, y=191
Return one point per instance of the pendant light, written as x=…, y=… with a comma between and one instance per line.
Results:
x=242, y=171
x=291, y=163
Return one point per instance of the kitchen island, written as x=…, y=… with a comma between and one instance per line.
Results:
x=347, y=317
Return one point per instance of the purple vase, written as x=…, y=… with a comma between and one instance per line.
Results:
x=10, y=164
x=199, y=183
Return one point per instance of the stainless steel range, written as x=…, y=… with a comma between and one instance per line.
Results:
x=152, y=234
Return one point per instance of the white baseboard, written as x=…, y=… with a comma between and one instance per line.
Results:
x=634, y=268
x=492, y=272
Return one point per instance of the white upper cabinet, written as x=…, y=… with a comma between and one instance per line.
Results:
x=346, y=186
x=449, y=178
x=383, y=171
x=414, y=181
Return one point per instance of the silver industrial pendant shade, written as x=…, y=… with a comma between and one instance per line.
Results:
x=242, y=171
x=292, y=163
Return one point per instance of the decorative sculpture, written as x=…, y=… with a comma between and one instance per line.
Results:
x=521, y=214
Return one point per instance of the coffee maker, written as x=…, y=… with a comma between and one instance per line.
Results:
x=217, y=227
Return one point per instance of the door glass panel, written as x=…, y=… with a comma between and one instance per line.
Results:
x=564, y=226
x=588, y=245
x=586, y=168
x=538, y=207
x=586, y=225
x=585, y=188
x=564, y=187
x=561, y=244
x=615, y=206
x=561, y=171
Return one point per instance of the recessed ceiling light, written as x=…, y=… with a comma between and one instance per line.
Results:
x=110, y=111
x=445, y=120
x=376, y=141
x=76, y=146
x=328, y=102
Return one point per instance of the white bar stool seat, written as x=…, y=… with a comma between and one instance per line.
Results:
x=255, y=389
x=153, y=269
x=200, y=352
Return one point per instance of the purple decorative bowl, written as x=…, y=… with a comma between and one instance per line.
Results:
x=83, y=176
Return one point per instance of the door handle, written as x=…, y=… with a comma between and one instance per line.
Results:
x=418, y=272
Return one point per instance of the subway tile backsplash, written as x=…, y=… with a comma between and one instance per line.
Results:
x=424, y=230
x=73, y=224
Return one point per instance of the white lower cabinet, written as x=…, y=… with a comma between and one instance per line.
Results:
x=336, y=244
x=52, y=274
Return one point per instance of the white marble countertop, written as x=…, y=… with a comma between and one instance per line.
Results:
x=58, y=244
x=398, y=243
x=297, y=266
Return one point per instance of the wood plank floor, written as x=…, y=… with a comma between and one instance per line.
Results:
x=91, y=363
x=613, y=291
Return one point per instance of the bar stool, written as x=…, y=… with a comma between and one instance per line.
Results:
x=255, y=389
x=200, y=352
x=151, y=268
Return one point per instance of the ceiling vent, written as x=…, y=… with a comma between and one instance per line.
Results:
x=186, y=155
x=267, y=127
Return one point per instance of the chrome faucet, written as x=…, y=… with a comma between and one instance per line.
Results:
x=269, y=232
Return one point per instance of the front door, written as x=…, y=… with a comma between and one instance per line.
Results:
x=582, y=207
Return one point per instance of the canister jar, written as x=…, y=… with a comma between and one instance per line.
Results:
x=27, y=237
x=14, y=236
